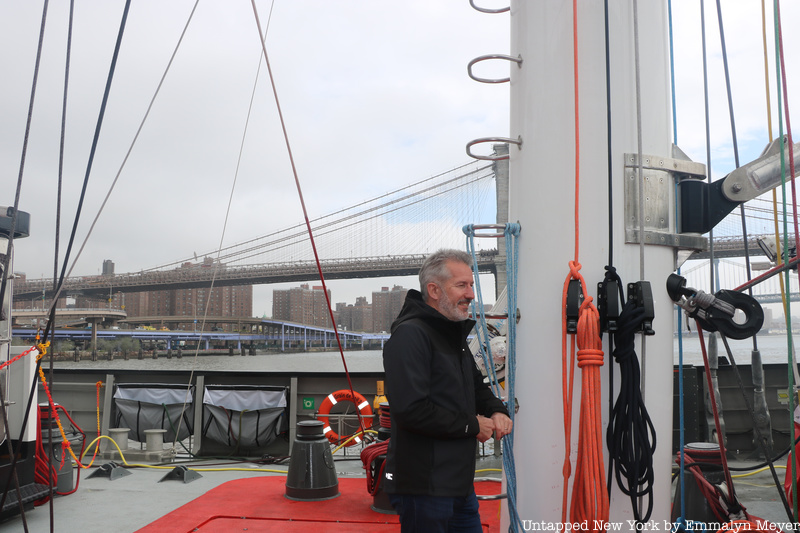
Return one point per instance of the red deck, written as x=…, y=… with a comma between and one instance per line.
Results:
x=258, y=505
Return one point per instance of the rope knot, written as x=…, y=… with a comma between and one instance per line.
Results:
x=575, y=270
x=512, y=229
x=42, y=347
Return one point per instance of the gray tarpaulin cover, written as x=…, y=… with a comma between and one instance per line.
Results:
x=242, y=415
x=142, y=406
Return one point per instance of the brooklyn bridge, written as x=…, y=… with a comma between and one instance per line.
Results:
x=389, y=235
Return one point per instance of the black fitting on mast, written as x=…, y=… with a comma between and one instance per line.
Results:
x=573, y=305
x=608, y=304
x=641, y=294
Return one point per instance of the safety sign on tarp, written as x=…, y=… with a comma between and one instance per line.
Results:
x=243, y=416
x=142, y=406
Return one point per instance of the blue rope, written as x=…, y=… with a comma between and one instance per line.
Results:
x=680, y=523
x=512, y=252
x=480, y=319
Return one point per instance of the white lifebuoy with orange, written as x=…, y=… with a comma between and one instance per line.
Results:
x=344, y=395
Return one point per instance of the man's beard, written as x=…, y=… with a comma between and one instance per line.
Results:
x=451, y=310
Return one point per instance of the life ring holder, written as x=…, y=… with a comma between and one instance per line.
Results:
x=345, y=395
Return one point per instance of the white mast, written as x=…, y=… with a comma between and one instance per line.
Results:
x=542, y=176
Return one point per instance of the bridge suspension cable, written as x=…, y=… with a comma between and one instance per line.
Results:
x=421, y=204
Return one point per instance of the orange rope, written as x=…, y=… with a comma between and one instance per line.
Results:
x=589, y=493
x=54, y=413
x=567, y=380
x=589, y=496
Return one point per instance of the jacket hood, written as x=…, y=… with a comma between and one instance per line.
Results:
x=415, y=307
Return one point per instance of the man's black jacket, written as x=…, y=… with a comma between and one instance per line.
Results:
x=435, y=391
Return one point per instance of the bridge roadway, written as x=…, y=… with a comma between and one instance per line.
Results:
x=734, y=246
x=276, y=334
x=197, y=276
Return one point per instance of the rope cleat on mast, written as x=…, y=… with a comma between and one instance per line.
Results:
x=717, y=312
x=641, y=294
x=573, y=304
x=608, y=304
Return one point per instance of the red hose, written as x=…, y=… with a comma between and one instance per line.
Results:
x=44, y=471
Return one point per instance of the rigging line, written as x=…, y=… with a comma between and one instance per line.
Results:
x=303, y=203
x=576, y=84
x=681, y=406
x=92, y=152
x=762, y=440
x=640, y=166
x=777, y=232
x=735, y=145
x=708, y=134
x=217, y=264
x=790, y=144
x=67, y=63
x=127, y=154
x=641, y=181
x=609, y=156
x=609, y=172
x=774, y=192
x=6, y=260
x=590, y=500
x=779, y=66
x=640, y=170
x=715, y=412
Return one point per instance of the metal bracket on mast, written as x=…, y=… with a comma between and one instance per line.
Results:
x=659, y=176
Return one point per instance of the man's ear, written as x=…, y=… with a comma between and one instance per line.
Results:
x=434, y=291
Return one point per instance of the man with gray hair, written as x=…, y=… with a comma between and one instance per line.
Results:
x=439, y=405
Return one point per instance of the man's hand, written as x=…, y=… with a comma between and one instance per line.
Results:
x=487, y=426
x=502, y=425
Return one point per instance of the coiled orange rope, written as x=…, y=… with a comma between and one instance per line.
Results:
x=589, y=495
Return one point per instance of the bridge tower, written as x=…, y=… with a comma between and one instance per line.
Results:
x=501, y=184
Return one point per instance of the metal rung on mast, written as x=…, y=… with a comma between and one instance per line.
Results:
x=487, y=10
x=517, y=141
x=517, y=60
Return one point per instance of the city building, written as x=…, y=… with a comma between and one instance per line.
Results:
x=356, y=317
x=386, y=305
x=303, y=304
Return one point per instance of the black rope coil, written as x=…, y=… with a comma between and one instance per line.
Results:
x=631, y=437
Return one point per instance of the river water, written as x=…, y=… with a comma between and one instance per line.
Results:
x=773, y=349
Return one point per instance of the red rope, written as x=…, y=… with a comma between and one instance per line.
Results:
x=715, y=411
x=305, y=212
x=370, y=456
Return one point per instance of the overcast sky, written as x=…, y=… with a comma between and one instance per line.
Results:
x=375, y=96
